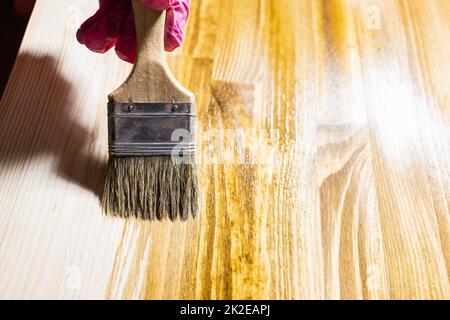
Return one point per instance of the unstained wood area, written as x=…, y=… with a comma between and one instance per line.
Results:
x=324, y=133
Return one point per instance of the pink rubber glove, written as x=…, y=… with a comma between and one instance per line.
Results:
x=113, y=25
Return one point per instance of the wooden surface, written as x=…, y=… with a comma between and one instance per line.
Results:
x=345, y=187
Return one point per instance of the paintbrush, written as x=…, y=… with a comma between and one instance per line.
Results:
x=151, y=169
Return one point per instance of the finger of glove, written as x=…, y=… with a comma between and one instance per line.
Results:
x=176, y=18
x=158, y=4
x=100, y=32
x=126, y=46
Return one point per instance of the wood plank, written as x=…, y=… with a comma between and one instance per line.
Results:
x=341, y=109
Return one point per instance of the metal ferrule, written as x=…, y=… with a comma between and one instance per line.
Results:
x=151, y=129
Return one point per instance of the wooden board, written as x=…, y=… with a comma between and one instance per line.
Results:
x=343, y=192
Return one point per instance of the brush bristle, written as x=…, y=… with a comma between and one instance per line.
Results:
x=150, y=188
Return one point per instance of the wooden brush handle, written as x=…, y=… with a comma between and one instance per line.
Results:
x=151, y=79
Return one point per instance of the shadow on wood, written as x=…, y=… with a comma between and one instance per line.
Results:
x=41, y=121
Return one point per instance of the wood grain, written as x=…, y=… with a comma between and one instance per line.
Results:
x=324, y=145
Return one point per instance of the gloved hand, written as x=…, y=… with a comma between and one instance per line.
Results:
x=113, y=25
